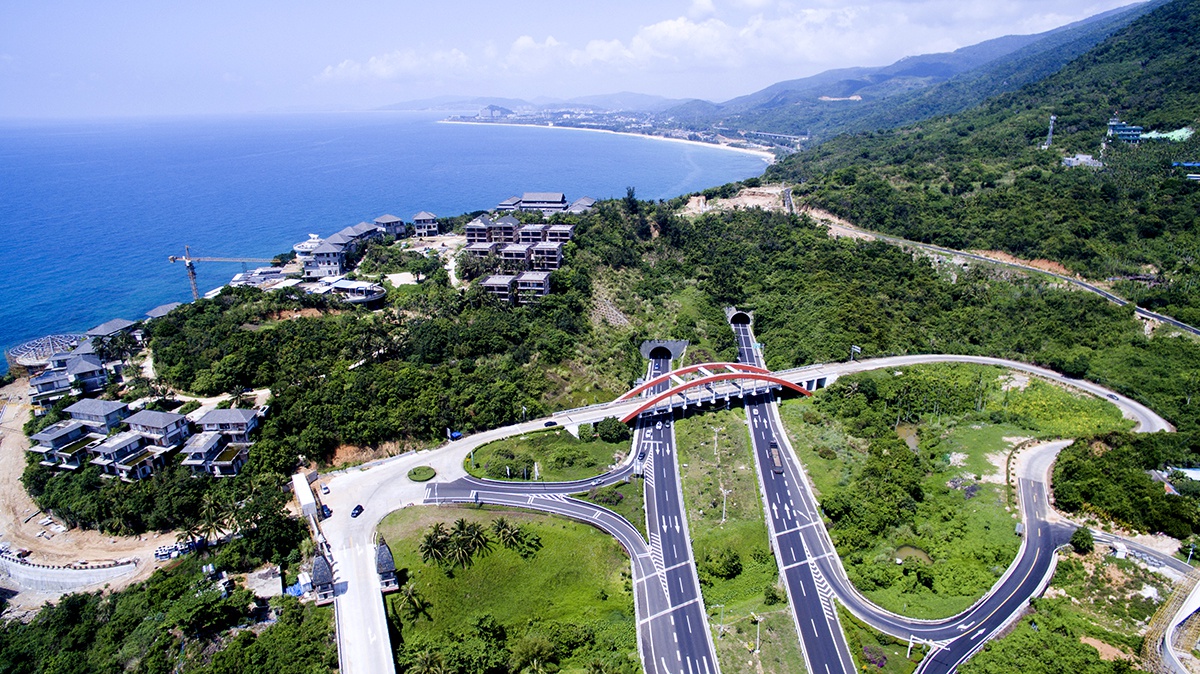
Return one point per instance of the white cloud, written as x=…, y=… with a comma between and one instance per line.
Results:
x=728, y=46
x=399, y=64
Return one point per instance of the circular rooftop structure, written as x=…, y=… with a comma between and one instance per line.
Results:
x=36, y=353
x=306, y=248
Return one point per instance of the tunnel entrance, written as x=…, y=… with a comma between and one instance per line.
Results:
x=740, y=318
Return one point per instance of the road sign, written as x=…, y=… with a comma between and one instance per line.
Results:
x=856, y=349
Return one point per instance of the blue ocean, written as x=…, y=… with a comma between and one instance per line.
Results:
x=90, y=211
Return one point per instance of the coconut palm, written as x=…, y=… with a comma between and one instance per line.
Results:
x=412, y=603
x=428, y=662
x=458, y=552
x=433, y=545
x=477, y=539
x=212, y=517
x=507, y=533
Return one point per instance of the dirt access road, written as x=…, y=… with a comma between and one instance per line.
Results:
x=20, y=517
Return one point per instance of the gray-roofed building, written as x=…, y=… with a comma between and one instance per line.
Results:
x=81, y=373
x=125, y=455
x=162, y=310
x=479, y=230
x=58, y=435
x=165, y=429
x=504, y=229
x=509, y=204
x=560, y=233
x=385, y=566
x=235, y=423
x=392, y=225
x=546, y=202
x=211, y=452
x=426, y=224
x=322, y=580
x=582, y=205
x=516, y=255
x=500, y=285
x=482, y=249
x=85, y=347
x=546, y=256
x=110, y=328
x=328, y=259
x=102, y=415
x=531, y=234
x=531, y=285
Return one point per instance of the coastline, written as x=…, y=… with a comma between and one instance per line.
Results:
x=768, y=157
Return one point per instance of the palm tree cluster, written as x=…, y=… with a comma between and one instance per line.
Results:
x=456, y=546
x=461, y=542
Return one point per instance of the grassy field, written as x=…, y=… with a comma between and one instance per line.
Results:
x=963, y=528
x=580, y=577
x=557, y=454
x=627, y=499
x=715, y=457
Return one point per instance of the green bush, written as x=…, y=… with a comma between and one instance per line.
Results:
x=611, y=429
x=1082, y=541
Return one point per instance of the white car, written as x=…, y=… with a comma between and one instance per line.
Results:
x=658, y=426
x=755, y=410
x=649, y=433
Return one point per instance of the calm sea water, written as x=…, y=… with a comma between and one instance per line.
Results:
x=90, y=211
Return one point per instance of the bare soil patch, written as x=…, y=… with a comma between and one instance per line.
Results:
x=838, y=228
x=1040, y=263
x=1107, y=651
x=293, y=314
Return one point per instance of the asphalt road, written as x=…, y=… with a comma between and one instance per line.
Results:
x=793, y=522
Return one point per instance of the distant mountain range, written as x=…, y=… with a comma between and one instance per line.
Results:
x=851, y=99
x=604, y=102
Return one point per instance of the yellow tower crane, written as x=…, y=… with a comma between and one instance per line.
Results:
x=189, y=262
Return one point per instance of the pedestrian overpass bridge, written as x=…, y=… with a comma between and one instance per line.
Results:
x=708, y=383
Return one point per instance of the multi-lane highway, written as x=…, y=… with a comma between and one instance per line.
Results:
x=794, y=521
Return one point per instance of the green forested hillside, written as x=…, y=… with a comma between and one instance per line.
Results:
x=911, y=89
x=979, y=179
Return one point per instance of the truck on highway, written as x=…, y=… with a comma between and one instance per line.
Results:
x=776, y=462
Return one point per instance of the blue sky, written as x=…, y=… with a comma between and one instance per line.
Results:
x=80, y=58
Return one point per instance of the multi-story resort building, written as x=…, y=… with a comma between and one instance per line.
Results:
x=546, y=202
x=426, y=224
x=223, y=445
x=392, y=226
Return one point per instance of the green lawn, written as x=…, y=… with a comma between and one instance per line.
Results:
x=627, y=499
x=558, y=456
x=707, y=469
x=963, y=523
x=575, y=591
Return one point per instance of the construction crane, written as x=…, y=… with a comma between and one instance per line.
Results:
x=189, y=262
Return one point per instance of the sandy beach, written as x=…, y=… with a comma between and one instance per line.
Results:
x=766, y=156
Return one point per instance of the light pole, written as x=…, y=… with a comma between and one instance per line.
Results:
x=721, y=622
x=724, y=496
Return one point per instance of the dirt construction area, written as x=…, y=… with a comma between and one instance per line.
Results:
x=21, y=522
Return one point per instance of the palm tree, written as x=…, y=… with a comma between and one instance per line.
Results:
x=507, y=534
x=433, y=545
x=459, y=553
x=535, y=666
x=477, y=539
x=412, y=602
x=212, y=517
x=428, y=662
x=189, y=533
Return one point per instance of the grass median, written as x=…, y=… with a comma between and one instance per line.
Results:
x=738, y=574
x=553, y=455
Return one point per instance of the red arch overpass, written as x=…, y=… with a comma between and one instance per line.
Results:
x=735, y=372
